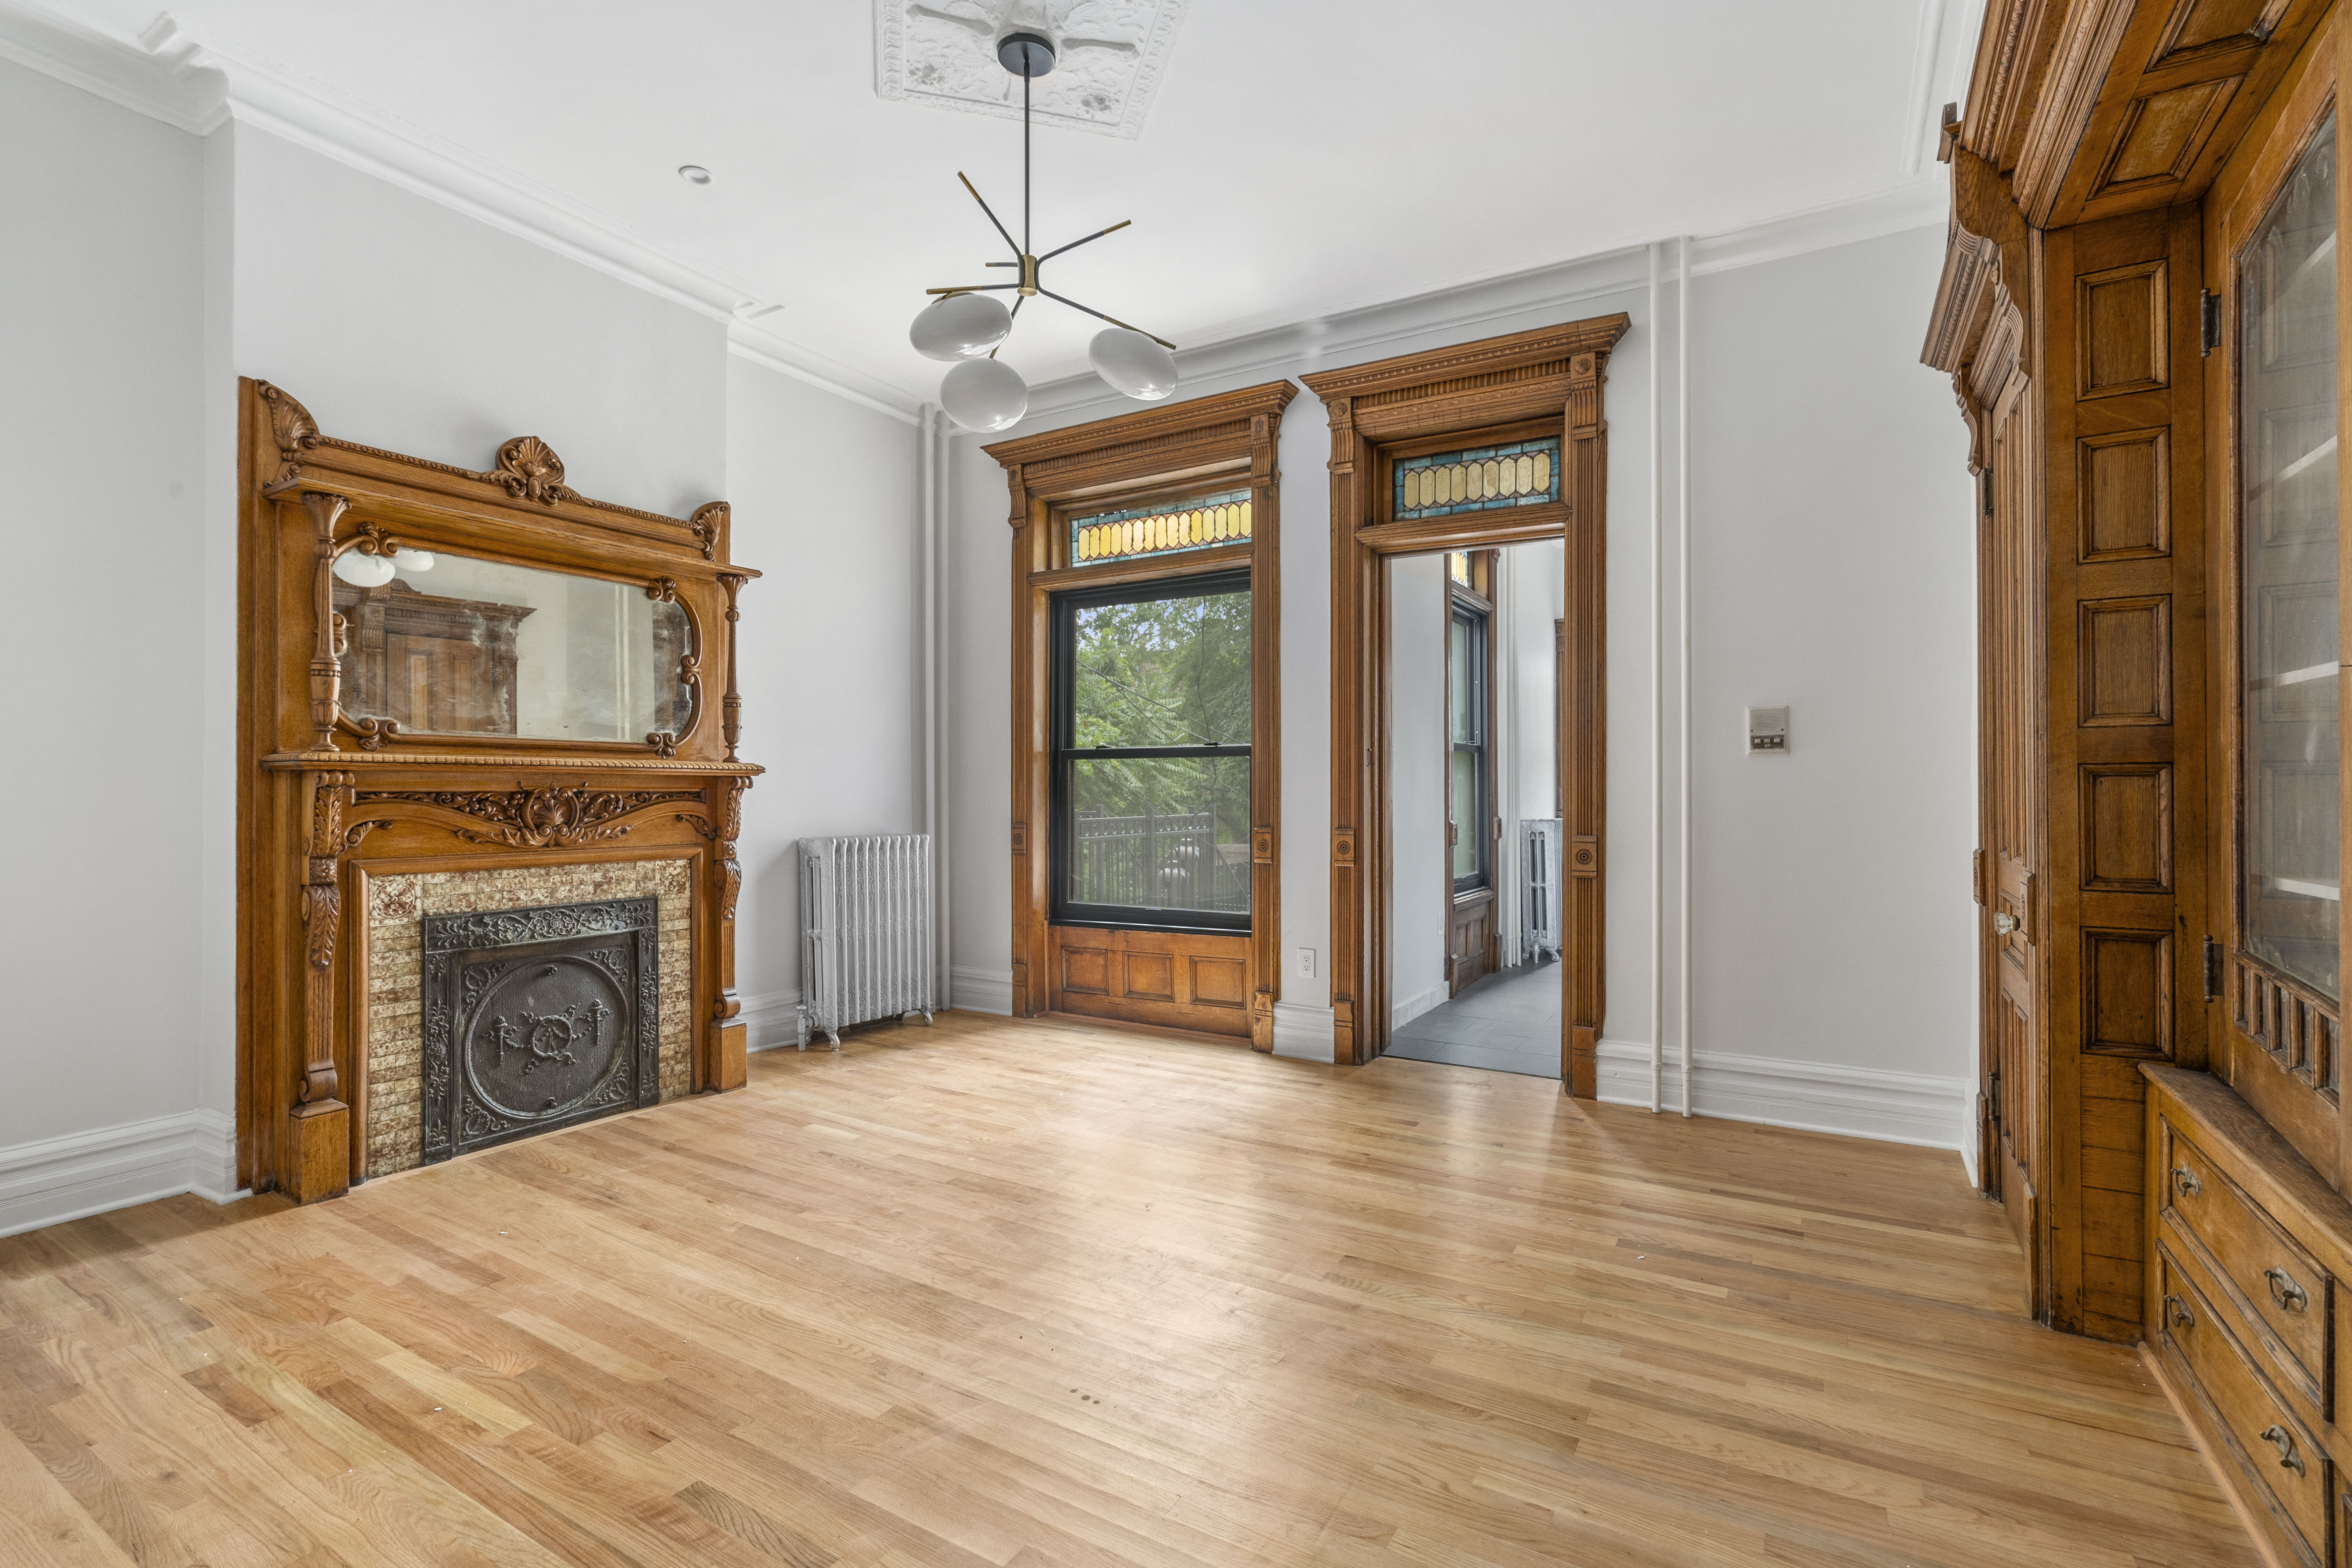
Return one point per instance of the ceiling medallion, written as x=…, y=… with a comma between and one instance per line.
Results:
x=942, y=54
x=965, y=325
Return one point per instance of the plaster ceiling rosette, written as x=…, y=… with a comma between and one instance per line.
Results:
x=1111, y=52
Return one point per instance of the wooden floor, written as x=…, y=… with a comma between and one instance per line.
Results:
x=1030, y=1295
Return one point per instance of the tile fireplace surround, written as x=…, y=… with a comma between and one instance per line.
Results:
x=392, y=1045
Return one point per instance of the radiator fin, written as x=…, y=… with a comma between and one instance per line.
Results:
x=866, y=942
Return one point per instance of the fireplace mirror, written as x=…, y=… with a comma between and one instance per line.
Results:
x=458, y=646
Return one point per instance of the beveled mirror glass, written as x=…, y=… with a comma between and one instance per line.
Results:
x=467, y=646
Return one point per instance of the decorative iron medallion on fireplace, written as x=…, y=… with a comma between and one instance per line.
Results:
x=536, y=1019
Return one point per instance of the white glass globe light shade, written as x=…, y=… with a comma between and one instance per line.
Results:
x=413, y=560
x=984, y=394
x=363, y=571
x=1133, y=363
x=959, y=326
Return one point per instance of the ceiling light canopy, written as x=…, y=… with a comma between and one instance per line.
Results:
x=962, y=323
x=694, y=174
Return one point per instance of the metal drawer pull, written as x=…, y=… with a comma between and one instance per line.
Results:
x=2185, y=1182
x=2289, y=1295
x=2177, y=1313
x=2288, y=1459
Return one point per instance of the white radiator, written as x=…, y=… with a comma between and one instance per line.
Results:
x=866, y=941
x=1539, y=918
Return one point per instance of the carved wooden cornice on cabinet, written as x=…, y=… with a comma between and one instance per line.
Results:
x=1225, y=440
x=327, y=799
x=2095, y=107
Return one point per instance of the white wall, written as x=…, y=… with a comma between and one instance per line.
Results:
x=824, y=499
x=403, y=324
x=102, y=354
x=1418, y=875
x=1834, y=547
x=1832, y=952
x=156, y=267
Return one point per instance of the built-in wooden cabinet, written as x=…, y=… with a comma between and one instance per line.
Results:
x=2140, y=313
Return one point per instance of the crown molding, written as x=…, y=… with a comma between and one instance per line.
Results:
x=198, y=86
x=60, y=48
x=1556, y=290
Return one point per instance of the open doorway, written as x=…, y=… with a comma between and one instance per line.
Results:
x=1473, y=787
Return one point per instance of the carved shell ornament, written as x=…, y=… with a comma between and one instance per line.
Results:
x=530, y=470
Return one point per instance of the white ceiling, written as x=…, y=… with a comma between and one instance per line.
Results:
x=1300, y=156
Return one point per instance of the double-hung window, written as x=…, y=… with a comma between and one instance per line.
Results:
x=1152, y=754
x=1469, y=779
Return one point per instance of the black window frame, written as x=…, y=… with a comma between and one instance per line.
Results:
x=1062, y=754
x=1471, y=609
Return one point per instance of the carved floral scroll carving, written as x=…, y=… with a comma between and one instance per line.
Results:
x=547, y=817
x=530, y=470
x=709, y=521
x=322, y=911
x=290, y=426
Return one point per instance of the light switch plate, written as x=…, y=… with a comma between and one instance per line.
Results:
x=1767, y=732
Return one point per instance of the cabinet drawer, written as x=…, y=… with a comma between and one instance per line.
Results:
x=2282, y=1287
x=2289, y=1470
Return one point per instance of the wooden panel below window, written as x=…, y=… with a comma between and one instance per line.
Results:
x=1470, y=939
x=1172, y=980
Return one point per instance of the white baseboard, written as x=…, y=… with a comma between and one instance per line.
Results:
x=58, y=1179
x=1406, y=1011
x=773, y=1017
x=1304, y=1031
x=1817, y=1097
x=980, y=991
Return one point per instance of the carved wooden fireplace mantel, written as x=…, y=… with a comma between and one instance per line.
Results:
x=445, y=673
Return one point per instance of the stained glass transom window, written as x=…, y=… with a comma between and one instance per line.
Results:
x=1163, y=530
x=1524, y=473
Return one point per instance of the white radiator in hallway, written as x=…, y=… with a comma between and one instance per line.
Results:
x=1540, y=889
x=866, y=943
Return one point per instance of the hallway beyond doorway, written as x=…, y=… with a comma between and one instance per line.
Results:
x=1506, y=1022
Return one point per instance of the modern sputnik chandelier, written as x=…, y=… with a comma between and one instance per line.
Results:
x=966, y=325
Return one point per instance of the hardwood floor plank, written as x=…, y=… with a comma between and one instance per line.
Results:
x=1035, y=1296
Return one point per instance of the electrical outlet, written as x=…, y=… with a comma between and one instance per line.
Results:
x=1306, y=963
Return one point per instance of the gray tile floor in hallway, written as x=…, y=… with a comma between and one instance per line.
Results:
x=1509, y=1022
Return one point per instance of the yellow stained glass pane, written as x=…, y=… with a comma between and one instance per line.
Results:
x=1414, y=483
x=1543, y=470
x=1246, y=520
x=1085, y=544
x=1525, y=477
x=1458, y=481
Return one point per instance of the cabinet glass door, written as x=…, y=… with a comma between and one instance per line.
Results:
x=2291, y=858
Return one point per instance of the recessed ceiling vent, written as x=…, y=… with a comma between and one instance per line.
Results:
x=1107, y=57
